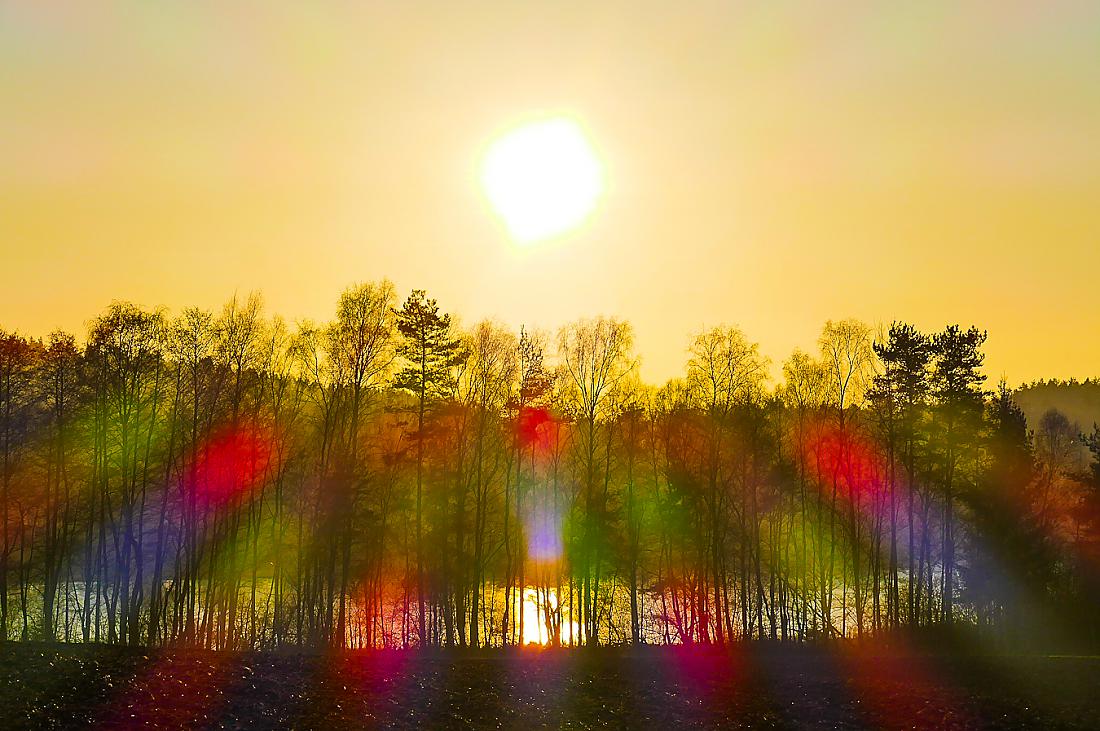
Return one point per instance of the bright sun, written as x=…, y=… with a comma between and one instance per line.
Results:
x=542, y=178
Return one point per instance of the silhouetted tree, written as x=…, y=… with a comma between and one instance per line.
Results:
x=429, y=350
x=956, y=383
x=222, y=480
x=901, y=393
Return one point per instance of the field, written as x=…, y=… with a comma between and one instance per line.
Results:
x=753, y=687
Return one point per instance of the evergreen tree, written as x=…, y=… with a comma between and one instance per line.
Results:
x=431, y=351
x=1005, y=556
x=957, y=387
x=901, y=391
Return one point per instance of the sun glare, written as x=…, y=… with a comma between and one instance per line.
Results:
x=542, y=179
x=535, y=629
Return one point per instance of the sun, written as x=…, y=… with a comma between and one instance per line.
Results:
x=542, y=178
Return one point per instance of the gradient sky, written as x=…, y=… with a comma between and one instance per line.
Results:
x=769, y=165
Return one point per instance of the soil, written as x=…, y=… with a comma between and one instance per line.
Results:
x=80, y=686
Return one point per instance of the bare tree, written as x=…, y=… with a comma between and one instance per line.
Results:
x=596, y=354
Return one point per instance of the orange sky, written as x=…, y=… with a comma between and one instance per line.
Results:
x=768, y=165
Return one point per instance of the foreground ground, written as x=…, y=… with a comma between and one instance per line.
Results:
x=757, y=687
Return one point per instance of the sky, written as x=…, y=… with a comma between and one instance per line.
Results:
x=768, y=165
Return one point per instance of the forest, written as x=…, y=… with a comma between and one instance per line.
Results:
x=226, y=480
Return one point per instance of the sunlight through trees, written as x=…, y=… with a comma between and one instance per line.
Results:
x=391, y=479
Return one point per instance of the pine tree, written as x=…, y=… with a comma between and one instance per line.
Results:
x=901, y=392
x=957, y=387
x=431, y=352
x=1003, y=539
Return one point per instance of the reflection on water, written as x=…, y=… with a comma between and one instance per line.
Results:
x=541, y=617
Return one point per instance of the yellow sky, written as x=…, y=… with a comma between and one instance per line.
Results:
x=767, y=166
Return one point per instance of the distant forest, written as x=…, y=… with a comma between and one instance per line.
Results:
x=389, y=479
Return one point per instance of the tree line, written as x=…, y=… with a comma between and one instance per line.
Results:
x=389, y=478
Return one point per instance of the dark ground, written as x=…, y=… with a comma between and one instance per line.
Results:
x=756, y=687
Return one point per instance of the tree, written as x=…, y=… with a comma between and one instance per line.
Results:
x=803, y=391
x=429, y=350
x=215, y=480
x=361, y=346
x=900, y=392
x=724, y=371
x=489, y=382
x=527, y=407
x=847, y=357
x=60, y=364
x=1007, y=563
x=19, y=359
x=125, y=346
x=596, y=356
x=956, y=384
x=1088, y=536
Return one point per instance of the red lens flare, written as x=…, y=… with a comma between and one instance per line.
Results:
x=230, y=464
x=532, y=424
